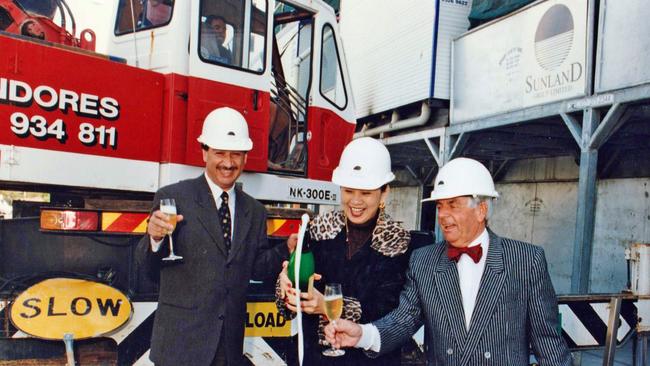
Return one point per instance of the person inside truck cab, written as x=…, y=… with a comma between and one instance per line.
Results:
x=213, y=36
x=156, y=12
x=359, y=247
x=31, y=28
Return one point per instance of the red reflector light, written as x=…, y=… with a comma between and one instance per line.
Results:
x=69, y=220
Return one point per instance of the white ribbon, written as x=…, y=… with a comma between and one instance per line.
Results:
x=296, y=276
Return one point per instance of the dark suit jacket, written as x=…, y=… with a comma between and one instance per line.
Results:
x=516, y=307
x=202, y=300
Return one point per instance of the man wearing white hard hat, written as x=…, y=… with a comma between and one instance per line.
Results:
x=483, y=299
x=359, y=247
x=221, y=237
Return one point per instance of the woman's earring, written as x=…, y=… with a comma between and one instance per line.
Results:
x=382, y=206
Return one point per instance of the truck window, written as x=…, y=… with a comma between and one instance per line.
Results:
x=332, y=86
x=5, y=19
x=46, y=8
x=146, y=14
x=233, y=33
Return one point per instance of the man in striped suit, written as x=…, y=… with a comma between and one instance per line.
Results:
x=483, y=299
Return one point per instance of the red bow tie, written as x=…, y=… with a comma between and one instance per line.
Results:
x=474, y=252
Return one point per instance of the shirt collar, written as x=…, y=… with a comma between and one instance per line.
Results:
x=216, y=190
x=483, y=239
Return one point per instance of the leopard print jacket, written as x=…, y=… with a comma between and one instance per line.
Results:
x=389, y=238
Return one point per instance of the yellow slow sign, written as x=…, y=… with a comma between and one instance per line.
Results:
x=263, y=320
x=57, y=306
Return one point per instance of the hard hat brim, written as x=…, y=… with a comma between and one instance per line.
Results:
x=360, y=182
x=241, y=145
x=436, y=197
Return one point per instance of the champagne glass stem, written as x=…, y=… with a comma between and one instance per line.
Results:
x=331, y=345
x=171, y=245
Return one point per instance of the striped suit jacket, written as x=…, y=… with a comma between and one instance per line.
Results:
x=516, y=307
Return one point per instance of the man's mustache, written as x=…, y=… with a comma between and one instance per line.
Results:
x=227, y=168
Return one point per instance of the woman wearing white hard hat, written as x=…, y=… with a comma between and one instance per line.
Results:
x=359, y=247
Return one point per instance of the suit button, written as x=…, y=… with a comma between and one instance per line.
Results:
x=222, y=317
x=228, y=265
x=227, y=291
x=487, y=354
x=450, y=351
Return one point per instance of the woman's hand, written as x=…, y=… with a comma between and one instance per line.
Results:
x=311, y=302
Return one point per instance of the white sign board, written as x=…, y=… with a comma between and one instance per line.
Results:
x=623, y=45
x=452, y=22
x=389, y=47
x=532, y=57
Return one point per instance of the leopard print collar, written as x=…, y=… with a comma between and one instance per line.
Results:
x=389, y=238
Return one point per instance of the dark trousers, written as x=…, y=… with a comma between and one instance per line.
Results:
x=220, y=356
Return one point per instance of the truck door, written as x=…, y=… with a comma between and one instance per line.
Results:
x=291, y=76
x=331, y=108
x=229, y=66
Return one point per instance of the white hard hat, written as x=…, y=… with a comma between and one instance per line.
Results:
x=462, y=177
x=225, y=129
x=364, y=164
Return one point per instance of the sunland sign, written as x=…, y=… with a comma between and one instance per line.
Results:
x=533, y=57
x=553, y=43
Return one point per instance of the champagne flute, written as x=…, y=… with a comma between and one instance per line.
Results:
x=168, y=207
x=333, y=309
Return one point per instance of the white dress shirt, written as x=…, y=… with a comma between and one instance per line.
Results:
x=469, y=275
x=216, y=195
x=469, y=278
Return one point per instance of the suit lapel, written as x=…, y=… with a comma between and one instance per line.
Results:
x=208, y=214
x=489, y=295
x=449, y=295
x=242, y=223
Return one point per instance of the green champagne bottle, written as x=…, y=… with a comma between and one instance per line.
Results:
x=307, y=265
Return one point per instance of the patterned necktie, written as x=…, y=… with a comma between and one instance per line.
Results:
x=224, y=217
x=474, y=252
